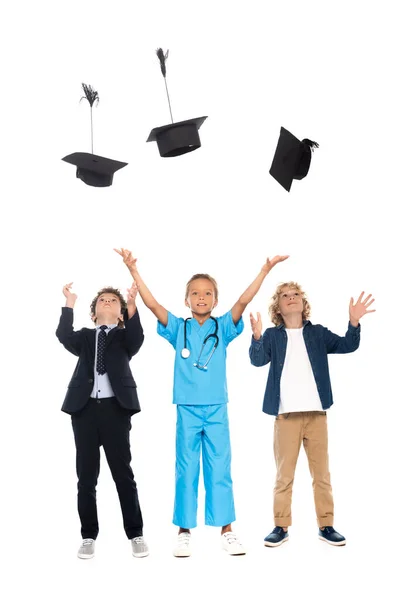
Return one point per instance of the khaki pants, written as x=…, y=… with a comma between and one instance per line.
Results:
x=291, y=429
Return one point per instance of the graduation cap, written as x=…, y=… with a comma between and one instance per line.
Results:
x=292, y=158
x=92, y=169
x=176, y=138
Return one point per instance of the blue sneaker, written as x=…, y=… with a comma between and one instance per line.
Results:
x=276, y=537
x=328, y=534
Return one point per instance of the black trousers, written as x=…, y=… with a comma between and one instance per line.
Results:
x=104, y=422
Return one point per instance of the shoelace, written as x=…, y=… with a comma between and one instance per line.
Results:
x=231, y=538
x=183, y=539
x=139, y=539
x=87, y=542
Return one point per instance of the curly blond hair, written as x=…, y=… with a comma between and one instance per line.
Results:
x=275, y=316
x=115, y=292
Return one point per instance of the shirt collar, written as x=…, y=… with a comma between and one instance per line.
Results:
x=306, y=322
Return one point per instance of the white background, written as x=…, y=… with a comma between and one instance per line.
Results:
x=324, y=70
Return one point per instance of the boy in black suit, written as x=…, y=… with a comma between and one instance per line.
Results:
x=101, y=399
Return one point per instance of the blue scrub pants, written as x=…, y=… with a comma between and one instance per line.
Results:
x=204, y=428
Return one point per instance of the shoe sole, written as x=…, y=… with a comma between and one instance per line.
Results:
x=85, y=556
x=332, y=543
x=140, y=555
x=182, y=554
x=236, y=553
x=275, y=544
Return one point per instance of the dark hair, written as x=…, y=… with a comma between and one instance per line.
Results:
x=115, y=292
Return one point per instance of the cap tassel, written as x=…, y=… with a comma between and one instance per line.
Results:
x=162, y=57
x=311, y=144
x=91, y=96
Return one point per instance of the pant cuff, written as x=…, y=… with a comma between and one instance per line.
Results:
x=283, y=521
x=184, y=525
x=210, y=523
x=132, y=533
x=325, y=523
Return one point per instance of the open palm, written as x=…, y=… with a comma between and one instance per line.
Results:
x=256, y=325
x=269, y=264
x=360, y=308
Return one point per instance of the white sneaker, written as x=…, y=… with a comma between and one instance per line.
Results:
x=139, y=547
x=231, y=544
x=87, y=548
x=182, y=548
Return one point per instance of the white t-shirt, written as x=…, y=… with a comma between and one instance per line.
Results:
x=299, y=391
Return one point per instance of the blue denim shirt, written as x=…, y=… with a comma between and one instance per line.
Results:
x=319, y=341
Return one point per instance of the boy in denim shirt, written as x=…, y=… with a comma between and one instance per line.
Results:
x=298, y=393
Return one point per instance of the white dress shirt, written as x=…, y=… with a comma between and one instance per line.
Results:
x=102, y=386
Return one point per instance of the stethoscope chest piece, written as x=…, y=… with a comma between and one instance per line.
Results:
x=185, y=352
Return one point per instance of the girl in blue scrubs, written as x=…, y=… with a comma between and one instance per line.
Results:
x=200, y=393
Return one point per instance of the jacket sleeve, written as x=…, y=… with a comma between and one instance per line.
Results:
x=336, y=344
x=133, y=335
x=70, y=339
x=260, y=350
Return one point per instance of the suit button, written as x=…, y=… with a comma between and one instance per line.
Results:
x=98, y=401
x=90, y=380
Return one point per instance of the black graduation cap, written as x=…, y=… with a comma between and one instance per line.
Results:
x=92, y=169
x=292, y=158
x=176, y=138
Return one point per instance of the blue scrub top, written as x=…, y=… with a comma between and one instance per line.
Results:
x=195, y=386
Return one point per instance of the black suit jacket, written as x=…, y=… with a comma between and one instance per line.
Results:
x=121, y=345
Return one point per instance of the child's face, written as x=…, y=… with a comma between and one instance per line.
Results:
x=201, y=297
x=108, y=309
x=290, y=301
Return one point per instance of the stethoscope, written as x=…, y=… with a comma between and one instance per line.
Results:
x=185, y=352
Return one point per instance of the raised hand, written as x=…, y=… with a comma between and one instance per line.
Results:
x=132, y=293
x=159, y=311
x=127, y=258
x=67, y=292
x=256, y=326
x=70, y=296
x=269, y=264
x=131, y=300
x=360, y=308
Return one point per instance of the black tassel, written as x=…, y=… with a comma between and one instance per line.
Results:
x=311, y=144
x=162, y=58
x=90, y=94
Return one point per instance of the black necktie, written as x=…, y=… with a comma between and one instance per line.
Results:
x=101, y=344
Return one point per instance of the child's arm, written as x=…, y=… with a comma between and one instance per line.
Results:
x=336, y=344
x=70, y=339
x=159, y=311
x=253, y=288
x=131, y=300
x=133, y=327
x=260, y=348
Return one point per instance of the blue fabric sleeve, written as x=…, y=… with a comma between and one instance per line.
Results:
x=336, y=344
x=170, y=330
x=228, y=330
x=260, y=350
